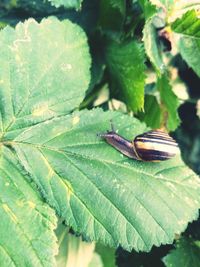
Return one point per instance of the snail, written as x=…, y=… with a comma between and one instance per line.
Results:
x=154, y=145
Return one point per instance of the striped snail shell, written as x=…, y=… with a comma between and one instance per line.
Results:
x=154, y=145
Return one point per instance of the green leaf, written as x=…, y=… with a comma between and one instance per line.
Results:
x=52, y=79
x=151, y=45
x=188, y=25
x=126, y=67
x=107, y=255
x=72, y=250
x=175, y=9
x=181, y=7
x=67, y=3
x=112, y=14
x=187, y=29
x=189, y=49
x=169, y=101
x=152, y=115
x=186, y=253
x=148, y=9
x=101, y=194
x=163, y=3
x=36, y=7
x=26, y=226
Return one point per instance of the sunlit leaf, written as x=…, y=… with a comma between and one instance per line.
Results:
x=72, y=166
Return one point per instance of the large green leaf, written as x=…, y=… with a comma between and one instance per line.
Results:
x=67, y=3
x=44, y=74
x=126, y=67
x=187, y=254
x=27, y=224
x=100, y=193
x=187, y=29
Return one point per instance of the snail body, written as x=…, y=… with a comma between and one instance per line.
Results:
x=154, y=145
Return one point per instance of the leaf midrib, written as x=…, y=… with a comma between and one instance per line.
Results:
x=117, y=163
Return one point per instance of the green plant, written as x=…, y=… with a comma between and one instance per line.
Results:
x=63, y=78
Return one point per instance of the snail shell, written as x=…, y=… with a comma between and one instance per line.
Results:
x=155, y=145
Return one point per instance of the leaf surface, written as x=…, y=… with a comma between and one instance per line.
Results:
x=26, y=226
x=150, y=37
x=107, y=255
x=188, y=38
x=169, y=101
x=152, y=115
x=175, y=9
x=126, y=67
x=102, y=194
x=148, y=9
x=186, y=253
x=33, y=75
x=112, y=15
x=188, y=24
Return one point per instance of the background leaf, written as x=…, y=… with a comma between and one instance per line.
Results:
x=126, y=67
x=187, y=29
x=112, y=14
x=152, y=115
x=107, y=255
x=175, y=9
x=96, y=261
x=170, y=102
x=67, y=3
x=186, y=253
x=150, y=37
x=188, y=25
x=72, y=250
x=148, y=9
